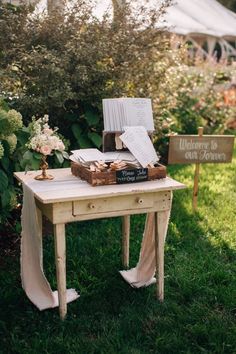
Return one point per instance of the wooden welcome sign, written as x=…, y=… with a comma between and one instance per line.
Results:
x=184, y=149
x=200, y=149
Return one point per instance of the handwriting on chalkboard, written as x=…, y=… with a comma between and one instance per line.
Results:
x=131, y=176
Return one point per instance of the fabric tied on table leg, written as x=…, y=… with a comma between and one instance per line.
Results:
x=143, y=273
x=33, y=279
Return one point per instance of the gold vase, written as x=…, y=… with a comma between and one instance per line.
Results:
x=44, y=165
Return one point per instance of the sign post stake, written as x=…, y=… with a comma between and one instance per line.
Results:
x=196, y=177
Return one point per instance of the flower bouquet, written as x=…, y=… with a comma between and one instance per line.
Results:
x=44, y=141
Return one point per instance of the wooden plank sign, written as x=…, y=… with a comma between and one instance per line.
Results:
x=200, y=149
x=186, y=149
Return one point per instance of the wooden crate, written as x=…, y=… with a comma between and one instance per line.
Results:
x=115, y=177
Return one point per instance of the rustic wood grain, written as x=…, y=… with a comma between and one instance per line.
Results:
x=186, y=149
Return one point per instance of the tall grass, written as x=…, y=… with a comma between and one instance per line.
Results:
x=198, y=314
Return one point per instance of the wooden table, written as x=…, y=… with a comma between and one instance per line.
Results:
x=67, y=199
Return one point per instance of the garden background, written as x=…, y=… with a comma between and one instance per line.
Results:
x=64, y=66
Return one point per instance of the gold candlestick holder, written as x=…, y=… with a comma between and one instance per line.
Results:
x=44, y=166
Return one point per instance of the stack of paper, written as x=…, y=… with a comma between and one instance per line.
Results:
x=120, y=112
x=139, y=144
x=85, y=156
x=88, y=156
x=124, y=156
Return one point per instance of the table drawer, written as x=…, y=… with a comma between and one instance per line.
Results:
x=107, y=205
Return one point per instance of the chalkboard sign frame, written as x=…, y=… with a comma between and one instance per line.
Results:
x=132, y=175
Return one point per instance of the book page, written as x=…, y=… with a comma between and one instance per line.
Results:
x=118, y=112
x=138, y=111
x=139, y=144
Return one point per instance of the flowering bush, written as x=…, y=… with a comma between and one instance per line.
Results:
x=10, y=123
x=44, y=141
x=190, y=97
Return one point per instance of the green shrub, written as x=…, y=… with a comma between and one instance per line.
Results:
x=65, y=66
x=191, y=97
x=10, y=123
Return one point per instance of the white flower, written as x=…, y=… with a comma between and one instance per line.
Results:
x=47, y=130
x=43, y=138
x=60, y=146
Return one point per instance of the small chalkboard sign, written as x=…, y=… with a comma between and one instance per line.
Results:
x=131, y=176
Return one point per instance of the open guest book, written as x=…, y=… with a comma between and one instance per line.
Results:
x=121, y=112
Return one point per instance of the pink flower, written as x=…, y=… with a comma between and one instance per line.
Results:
x=46, y=150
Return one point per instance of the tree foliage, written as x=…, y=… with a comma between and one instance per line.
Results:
x=65, y=65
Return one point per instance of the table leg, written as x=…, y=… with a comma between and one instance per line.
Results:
x=60, y=258
x=125, y=240
x=159, y=253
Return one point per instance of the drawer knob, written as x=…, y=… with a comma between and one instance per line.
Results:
x=139, y=200
x=91, y=206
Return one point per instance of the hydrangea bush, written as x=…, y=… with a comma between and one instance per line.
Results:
x=10, y=124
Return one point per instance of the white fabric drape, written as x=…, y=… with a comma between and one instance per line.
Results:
x=33, y=279
x=143, y=273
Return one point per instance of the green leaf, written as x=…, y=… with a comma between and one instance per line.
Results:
x=82, y=139
x=96, y=139
x=5, y=198
x=66, y=163
x=34, y=164
x=37, y=155
x=91, y=117
x=3, y=181
x=59, y=156
x=3, y=124
x=24, y=165
x=4, y=105
x=5, y=163
x=71, y=116
x=84, y=142
x=65, y=155
x=6, y=147
x=28, y=155
x=23, y=136
x=77, y=131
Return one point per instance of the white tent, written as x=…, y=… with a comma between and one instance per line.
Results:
x=203, y=21
x=202, y=17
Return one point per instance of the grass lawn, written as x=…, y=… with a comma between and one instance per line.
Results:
x=199, y=311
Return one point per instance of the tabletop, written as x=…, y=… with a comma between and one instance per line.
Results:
x=66, y=187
